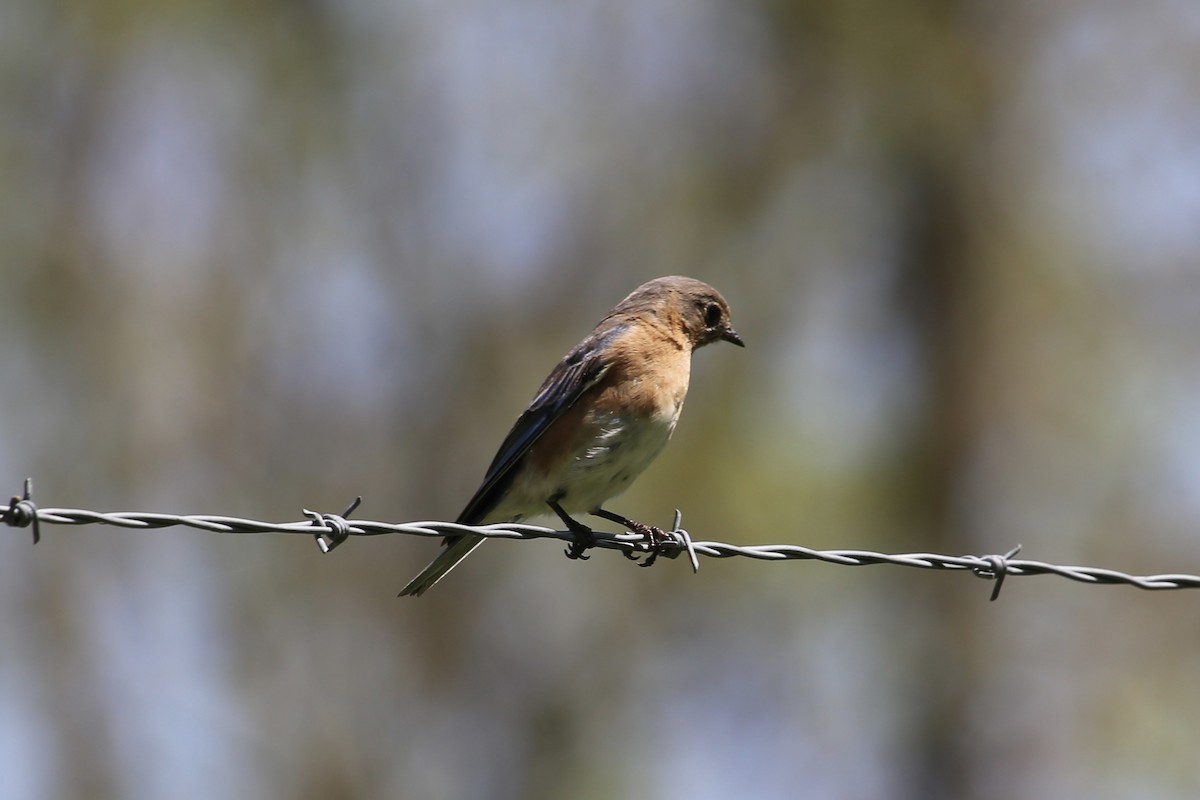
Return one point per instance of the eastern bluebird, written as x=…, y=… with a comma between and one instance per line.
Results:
x=599, y=419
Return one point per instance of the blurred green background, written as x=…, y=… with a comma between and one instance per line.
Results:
x=265, y=256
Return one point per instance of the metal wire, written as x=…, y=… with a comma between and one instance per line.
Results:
x=330, y=530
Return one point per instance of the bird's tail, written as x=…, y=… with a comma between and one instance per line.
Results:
x=457, y=548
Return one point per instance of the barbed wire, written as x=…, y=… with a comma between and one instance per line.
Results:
x=331, y=530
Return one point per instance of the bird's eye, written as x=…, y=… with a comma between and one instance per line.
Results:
x=712, y=315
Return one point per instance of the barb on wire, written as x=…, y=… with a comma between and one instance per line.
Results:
x=334, y=529
x=21, y=512
x=330, y=530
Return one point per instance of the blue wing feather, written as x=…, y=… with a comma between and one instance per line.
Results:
x=579, y=370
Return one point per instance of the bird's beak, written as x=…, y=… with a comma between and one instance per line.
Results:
x=731, y=336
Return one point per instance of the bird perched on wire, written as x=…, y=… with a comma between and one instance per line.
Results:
x=598, y=420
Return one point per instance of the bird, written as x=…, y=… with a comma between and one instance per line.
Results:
x=602, y=415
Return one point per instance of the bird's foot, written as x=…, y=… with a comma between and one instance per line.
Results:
x=658, y=540
x=585, y=539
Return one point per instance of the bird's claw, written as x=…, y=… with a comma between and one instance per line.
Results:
x=657, y=540
x=585, y=540
x=660, y=542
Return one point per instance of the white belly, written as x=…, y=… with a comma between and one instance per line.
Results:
x=620, y=453
x=622, y=448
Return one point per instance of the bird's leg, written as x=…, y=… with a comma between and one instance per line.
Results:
x=656, y=537
x=584, y=538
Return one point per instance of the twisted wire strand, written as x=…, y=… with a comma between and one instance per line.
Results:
x=330, y=530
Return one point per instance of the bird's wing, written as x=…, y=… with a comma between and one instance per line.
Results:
x=580, y=369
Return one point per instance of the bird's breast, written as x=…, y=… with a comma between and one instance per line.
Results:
x=597, y=448
x=620, y=449
x=604, y=453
